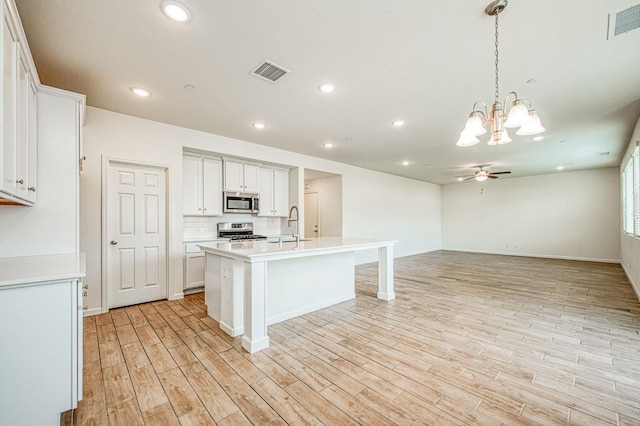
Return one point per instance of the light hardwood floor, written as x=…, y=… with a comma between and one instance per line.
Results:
x=470, y=339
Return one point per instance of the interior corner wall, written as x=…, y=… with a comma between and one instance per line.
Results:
x=630, y=245
x=374, y=204
x=570, y=215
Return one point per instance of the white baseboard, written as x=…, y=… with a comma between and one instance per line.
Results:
x=633, y=285
x=176, y=296
x=541, y=256
x=93, y=311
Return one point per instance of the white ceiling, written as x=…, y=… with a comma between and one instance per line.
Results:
x=422, y=61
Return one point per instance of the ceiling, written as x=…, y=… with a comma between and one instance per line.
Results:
x=420, y=61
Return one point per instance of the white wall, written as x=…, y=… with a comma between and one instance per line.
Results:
x=370, y=199
x=390, y=207
x=630, y=245
x=51, y=225
x=573, y=215
x=329, y=190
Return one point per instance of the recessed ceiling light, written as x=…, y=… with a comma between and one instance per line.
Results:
x=328, y=145
x=175, y=11
x=405, y=163
x=327, y=87
x=398, y=123
x=189, y=87
x=560, y=168
x=537, y=138
x=141, y=92
x=259, y=126
x=460, y=179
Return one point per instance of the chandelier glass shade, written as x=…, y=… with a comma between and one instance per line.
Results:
x=519, y=114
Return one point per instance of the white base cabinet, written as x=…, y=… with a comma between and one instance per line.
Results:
x=41, y=339
x=194, y=265
x=193, y=270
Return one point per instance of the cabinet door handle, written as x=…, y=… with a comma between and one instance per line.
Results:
x=21, y=181
x=32, y=188
x=114, y=242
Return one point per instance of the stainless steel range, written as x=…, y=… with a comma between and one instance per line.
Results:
x=242, y=231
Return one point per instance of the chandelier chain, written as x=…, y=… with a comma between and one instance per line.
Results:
x=497, y=91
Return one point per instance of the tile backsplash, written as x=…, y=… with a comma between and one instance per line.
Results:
x=195, y=227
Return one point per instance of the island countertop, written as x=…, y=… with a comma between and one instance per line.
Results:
x=252, y=251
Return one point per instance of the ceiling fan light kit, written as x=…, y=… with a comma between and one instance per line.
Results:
x=481, y=174
x=519, y=114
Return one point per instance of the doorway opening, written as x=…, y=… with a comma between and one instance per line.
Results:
x=322, y=204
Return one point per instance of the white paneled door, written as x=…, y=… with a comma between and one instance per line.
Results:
x=135, y=246
x=311, y=215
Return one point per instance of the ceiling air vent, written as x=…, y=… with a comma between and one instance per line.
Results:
x=269, y=71
x=624, y=21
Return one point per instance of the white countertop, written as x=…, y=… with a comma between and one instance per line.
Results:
x=254, y=251
x=189, y=240
x=34, y=269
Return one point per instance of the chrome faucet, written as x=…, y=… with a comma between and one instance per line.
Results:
x=296, y=235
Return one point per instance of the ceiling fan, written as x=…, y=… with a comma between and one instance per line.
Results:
x=481, y=174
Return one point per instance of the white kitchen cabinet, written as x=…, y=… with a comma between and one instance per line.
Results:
x=194, y=265
x=32, y=144
x=241, y=177
x=193, y=270
x=274, y=192
x=202, y=186
x=40, y=337
x=18, y=151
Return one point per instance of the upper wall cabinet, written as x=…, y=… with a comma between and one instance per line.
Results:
x=241, y=177
x=19, y=144
x=202, y=186
x=274, y=192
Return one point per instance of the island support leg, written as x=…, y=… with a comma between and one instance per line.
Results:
x=385, y=273
x=232, y=303
x=255, y=307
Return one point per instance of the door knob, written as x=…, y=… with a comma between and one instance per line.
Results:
x=114, y=242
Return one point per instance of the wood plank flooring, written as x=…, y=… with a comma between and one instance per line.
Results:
x=470, y=339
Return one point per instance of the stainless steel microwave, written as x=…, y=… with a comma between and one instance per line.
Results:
x=240, y=202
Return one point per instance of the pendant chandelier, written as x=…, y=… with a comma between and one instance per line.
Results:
x=520, y=113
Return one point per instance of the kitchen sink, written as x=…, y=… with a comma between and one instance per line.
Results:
x=291, y=240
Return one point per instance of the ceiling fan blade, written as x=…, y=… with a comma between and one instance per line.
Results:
x=469, y=178
x=499, y=173
x=465, y=176
x=492, y=177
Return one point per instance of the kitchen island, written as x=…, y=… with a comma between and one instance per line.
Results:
x=250, y=285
